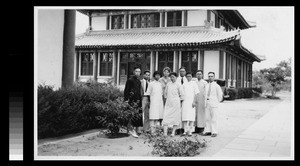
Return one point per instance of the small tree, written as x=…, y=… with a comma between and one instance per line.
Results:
x=274, y=76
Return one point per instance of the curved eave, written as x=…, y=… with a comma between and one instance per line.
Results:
x=238, y=45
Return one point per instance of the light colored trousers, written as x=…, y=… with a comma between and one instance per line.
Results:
x=211, y=119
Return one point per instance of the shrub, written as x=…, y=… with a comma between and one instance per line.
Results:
x=116, y=114
x=71, y=110
x=162, y=146
x=232, y=92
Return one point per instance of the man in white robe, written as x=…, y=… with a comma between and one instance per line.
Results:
x=199, y=103
x=213, y=97
x=181, y=79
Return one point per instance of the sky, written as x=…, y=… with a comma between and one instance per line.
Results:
x=273, y=36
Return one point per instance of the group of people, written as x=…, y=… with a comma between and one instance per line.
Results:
x=178, y=102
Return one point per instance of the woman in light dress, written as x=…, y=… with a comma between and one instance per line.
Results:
x=174, y=97
x=164, y=81
x=155, y=91
x=188, y=111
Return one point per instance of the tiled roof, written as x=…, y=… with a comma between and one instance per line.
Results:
x=155, y=37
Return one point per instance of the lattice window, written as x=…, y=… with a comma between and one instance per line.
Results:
x=106, y=59
x=87, y=60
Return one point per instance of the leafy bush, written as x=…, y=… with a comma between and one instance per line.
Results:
x=71, y=110
x=232, y=92
x=162, y=146
x=116, y=114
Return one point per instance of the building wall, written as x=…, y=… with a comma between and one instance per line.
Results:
x=99, y=23
x=50, y=46
x=211, y=63
x=196, y=17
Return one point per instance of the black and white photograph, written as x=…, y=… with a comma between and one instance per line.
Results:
x=164, y=83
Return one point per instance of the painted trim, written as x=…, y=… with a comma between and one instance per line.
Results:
x=160, y=19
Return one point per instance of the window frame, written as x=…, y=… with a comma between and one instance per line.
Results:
x=91, y=53
x=108, y=72
x=176, y=16
x=190, y=61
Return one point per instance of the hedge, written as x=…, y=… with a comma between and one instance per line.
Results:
x=72, y=109
x=239, y=93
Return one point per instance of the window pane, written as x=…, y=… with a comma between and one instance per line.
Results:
x=185, y=56
x=186, y=65
x=170, y=65
x=143, y=21
x=170, y=56
x=87, y=63
x=170, y=18
x=161, y=56
x=109, y=72
x=102, y=69
x=90, y=70
x=110, y=58
x=161, y=66
x=178, y=18
x=194, y=57
x=124, y=57
x=123, y=69
x=194, y=67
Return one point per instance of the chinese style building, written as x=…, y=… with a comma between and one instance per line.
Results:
x=118, y=40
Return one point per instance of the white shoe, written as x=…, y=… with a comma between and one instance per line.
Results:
x=133, y=133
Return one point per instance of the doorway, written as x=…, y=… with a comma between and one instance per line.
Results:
x=129, y=60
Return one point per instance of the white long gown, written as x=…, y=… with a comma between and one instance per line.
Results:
x=172, y=112
x=155, y=91
x=190, y=91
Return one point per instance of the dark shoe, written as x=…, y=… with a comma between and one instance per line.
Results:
x=214, y=135
x=206, y=134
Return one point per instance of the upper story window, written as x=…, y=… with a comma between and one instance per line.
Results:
x=117, y=22
x=174, y=18
x=145, y=20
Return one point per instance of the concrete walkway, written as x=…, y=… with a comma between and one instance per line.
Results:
x=271, y=136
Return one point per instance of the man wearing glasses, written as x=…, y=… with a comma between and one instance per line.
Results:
x=213, y=96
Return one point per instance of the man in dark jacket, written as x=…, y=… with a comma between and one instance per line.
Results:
x=133, y=93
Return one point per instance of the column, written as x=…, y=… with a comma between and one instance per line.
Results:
x=166, y=19
x=129, y=21
x=221, y=60
x=68, y=48
x=95, y=64
x=230, y=70
x=110, y=22
x=179, y=59
x=175, y=61
x=234, y=72
x=125, y=20
x=152, y=60
x=224, y=65
x=75, y=66
x=182, y=18
x=118, y=68
x=199, y=61
x=160, y=19
x=114, y=67
x=156, y=60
